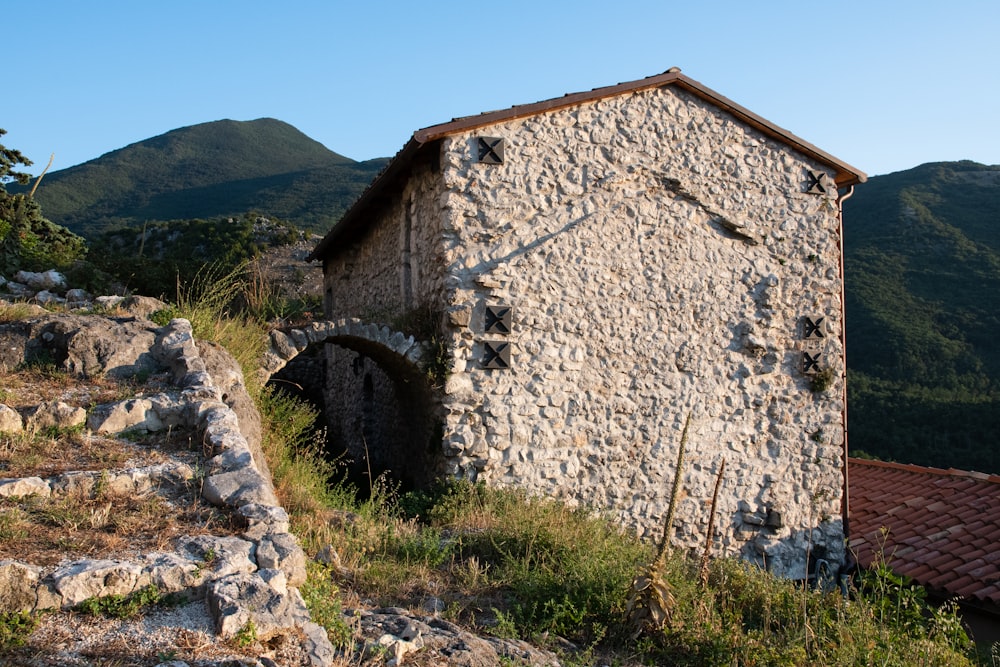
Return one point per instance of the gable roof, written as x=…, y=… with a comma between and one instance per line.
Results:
x=353, y=219
x=939, y=527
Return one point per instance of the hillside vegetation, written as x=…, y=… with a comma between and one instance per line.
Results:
x=218, y=169
x=502, y=563
x=923, y=312
x=922, y=263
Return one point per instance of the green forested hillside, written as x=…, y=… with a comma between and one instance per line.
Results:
x=222, y=168
x=922, y=268
x=923, y=313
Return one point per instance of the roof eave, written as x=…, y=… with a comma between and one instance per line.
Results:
x=845, y=174
x=352, y=219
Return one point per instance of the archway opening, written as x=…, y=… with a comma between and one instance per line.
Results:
x=380, y=412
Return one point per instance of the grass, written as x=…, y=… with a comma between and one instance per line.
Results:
x=505, y=563
x=15, y=628
x=48, y=453
x=509, y=564
x=85, y=522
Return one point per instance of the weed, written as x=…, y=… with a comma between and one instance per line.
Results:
x=505, y=627
x=650, y=599
x=322, y=597
x=424, y=323
x=246, y=635
x=163, y=316
x=121, y=606
x=42, y=363
x=822, y=381
x=542, y=567
x=15, y=628
x=14, y=523
x=14, y=312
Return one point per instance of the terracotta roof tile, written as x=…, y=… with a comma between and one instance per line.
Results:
x=939, y=527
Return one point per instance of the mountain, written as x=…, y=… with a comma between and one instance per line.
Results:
x=922, y=251
x=222, y=168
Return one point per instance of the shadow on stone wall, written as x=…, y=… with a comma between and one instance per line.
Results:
x=380, y=412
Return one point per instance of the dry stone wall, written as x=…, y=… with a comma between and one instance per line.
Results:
x=250, y=578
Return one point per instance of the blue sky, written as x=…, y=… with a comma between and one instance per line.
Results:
x=882, y=85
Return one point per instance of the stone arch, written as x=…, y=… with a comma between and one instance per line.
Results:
x=381, y=410
x=391, y=347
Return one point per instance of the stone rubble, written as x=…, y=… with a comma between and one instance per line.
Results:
x=251, y=577
x=242, y=581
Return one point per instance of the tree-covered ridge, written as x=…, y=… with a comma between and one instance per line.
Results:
x=218, y=169
x=158, y=257
x=923, y=311
x=922, y=262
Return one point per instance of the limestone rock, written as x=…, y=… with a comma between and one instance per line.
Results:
x=239, y=487
x=45, y=280
x=77, y=295
x=281, y=551
x=17, y=586
x=109, y=302
x=445, y=641
x=219, y=556
x=24, y=486
x=263, y=519
x=56, y=414
x=138, y=481
x=318, y=646
x=171, y=572
x=10, y=420
x=17, y=289
x=85, y=579
x=228, y=377
x=141, y=306
x=102, y=346
x=134, y=413
x=47, y=298
x=240, y=599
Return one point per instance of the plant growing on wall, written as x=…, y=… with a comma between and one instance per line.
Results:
x=822, y=381
x=424, y=323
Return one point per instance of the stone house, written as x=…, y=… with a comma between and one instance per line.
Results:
x=582, y=274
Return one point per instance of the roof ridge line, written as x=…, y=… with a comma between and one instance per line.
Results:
x=912, y=467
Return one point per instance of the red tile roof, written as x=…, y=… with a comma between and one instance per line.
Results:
x=939, y=527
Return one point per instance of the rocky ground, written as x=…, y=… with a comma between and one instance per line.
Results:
x=129, y=476
x=130, y=472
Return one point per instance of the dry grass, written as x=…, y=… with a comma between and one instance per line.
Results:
x=39, y=382
x=92, y=522
x=34, y=454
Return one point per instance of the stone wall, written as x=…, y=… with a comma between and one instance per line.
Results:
x=661, y=260
x=380, y=415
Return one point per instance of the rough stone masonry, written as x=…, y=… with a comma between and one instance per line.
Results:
x=601, y=268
